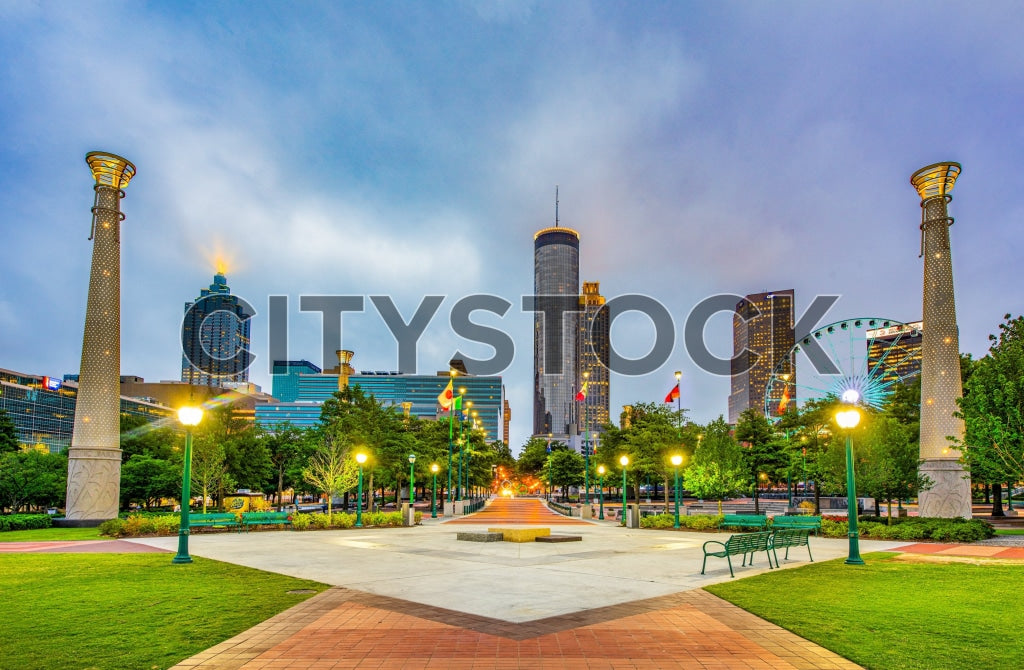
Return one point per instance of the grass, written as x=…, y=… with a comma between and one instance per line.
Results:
x=52, y=534
x=99, y=611
x=893, y=614
x=1009, y=531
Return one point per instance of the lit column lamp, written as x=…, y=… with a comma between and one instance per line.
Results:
x=677, y=460
x=189, y=417
x=600, y=491
x=586, y=443
x=360, y=459
x=848, y=420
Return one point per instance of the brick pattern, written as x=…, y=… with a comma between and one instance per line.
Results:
x=341, y=628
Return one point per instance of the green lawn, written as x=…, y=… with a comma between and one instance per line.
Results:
x=892, y=614
x=1009, y=531
x=52, y=534
x=122, y=611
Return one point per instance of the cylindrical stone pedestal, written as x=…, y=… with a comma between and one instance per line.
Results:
x=950, y=492
x=94, y=459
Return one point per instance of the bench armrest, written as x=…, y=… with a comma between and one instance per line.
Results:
x=705, y=547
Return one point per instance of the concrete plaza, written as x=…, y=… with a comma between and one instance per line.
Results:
x=417, y=597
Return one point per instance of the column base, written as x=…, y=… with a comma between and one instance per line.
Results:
x=949, y=496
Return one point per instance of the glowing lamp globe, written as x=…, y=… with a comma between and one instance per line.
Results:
x=677, y=460
x=190, y=416
x=848, y=418
x=360, y=458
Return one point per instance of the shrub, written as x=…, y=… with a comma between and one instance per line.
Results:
x=300, y=521
x=657, y=521
x=702, y=521
x=112, y=527
x=319, y=520
x=25, y=522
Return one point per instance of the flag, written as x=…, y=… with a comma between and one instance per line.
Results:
x=457, y=404
x=582, y=395
x=784, y=401
x=445, y=399
x=673, y=395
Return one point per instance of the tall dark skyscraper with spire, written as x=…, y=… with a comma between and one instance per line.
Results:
x=556, y=272
x=215, y=337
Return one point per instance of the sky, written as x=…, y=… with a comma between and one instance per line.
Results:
x=411, y=149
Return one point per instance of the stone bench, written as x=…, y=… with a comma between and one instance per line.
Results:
x=479, y=537
x=520, y=534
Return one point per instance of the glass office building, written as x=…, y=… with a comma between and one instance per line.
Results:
x=556, y=272
x=595, y=347
x=762, y=336
x=215, y=337
x=43, y=408
x=391, y=388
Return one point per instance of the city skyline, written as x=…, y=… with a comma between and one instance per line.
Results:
x=367, y=159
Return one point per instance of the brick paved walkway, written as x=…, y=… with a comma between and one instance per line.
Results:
x=342, y=628
x=526, y=511
x=972, y=550
x=77, y=547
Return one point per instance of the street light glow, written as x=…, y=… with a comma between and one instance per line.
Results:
x=190, y=416
x=360, y=458
x=851, y=396
x=600, y=470
x=677, y=460
x=435, y=468
x=848, y=418
x=624, y=461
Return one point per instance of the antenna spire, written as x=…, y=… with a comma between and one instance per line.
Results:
x=556, y=205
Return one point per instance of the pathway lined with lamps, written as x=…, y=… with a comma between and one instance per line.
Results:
x=526, y=511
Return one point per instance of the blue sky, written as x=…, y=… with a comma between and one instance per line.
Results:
x=413, y=148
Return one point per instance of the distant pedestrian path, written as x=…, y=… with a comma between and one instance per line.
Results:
x=77, y=547
x=525, y=511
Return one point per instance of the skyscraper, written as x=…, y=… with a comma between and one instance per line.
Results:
x=894, y=353
x=215, y=337
x=594, y=350
x=762, y=336
x=556, y=274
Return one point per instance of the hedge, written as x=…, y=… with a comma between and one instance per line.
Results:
x=914, y=528
x=320, y=521
x=25, y=522
x=138, y=525
x=695, y=522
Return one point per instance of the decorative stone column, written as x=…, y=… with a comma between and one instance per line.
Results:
x=950, y=493
x=94, y=459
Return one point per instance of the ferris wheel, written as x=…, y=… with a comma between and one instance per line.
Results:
x=870, y=355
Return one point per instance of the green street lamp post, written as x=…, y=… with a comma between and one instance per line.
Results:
x=676, y=462
x=360, y=459
x=624, y=461
x=848, y=420
x=549, y=467
x=600, y=492
x=433, y=496
x=189, y=417
x=586, y=446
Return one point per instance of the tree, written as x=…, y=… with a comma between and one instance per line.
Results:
x=285, y=446
x=146, y=480
x=566, y=469
x=30, y=478
x=764, y=453
x=140, y=436
x=209, y=468
x=993, y=410
x=889, y=459
x=332, y=469
x=718, y=470
x=533, y=458
x=655, y=433
x=8, y=434
x=815, y=421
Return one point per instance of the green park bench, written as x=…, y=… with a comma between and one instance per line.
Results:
x=265, y=519
x=790, y=537
x=802, y=521
x=227, y=519
x=743, y=521
x=745, y=544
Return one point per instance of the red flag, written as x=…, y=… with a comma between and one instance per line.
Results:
x=784, y=401
x=673, y=395
x=582, y=395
